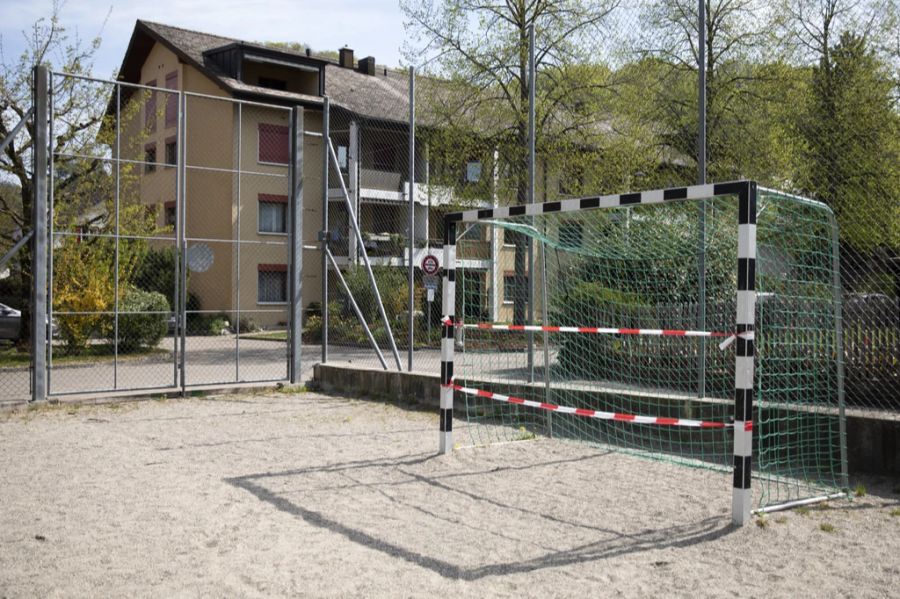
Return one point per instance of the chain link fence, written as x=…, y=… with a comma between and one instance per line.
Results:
x=169, y=255
x=788, y=102
x=167, y=199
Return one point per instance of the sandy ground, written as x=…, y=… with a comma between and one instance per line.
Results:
x=273, y=495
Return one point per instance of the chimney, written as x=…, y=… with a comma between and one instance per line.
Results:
x=346, y=57
x=367, y=65
x=308, y=51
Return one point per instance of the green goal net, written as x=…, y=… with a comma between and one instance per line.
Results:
x=615, y=324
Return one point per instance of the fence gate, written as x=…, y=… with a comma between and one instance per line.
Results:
x=170, y=257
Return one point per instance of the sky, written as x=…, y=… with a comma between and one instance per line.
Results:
x=370, y=27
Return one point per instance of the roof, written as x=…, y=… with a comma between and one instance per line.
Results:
x=380, y=96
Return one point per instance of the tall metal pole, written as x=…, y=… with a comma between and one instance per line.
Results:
x=296, y=249
x=176, y=296
x=237, y=243
x=181, y=233
x=839, y=347
x=324, y=234
x=531, y=177
x=701, y=91
x=412, y=212
x=39, y=218
x=50, y=230
x=117, y=164
x=701, y=163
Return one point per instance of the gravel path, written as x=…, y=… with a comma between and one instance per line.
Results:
x=274, y=495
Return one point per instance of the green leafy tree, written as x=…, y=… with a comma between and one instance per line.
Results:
x=851, y=129
x=481, y=51
x=49, y=43
x=740, y=78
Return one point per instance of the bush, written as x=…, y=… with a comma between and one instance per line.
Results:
x=156, y=272
x=593, y=356
x=208, y=324
x=218, y=325
x=313, y=309
x=391, y=282
x=142, y=320
x=312, y=330
x=248, y=325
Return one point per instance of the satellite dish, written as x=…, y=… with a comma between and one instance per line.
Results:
x=199, y=257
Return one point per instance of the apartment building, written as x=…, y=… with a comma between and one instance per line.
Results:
x=235, y=182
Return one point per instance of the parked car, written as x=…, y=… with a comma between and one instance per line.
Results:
x=11, y=322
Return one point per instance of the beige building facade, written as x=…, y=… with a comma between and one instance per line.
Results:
x=234, y=125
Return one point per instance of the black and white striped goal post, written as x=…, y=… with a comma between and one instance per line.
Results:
x=743, y=336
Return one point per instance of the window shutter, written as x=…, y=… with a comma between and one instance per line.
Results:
x=273, y=143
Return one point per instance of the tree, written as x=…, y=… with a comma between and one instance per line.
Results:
x=851, y=131
x=49, y=44
x=481, y=47
x=737, y=81
x=850, y=124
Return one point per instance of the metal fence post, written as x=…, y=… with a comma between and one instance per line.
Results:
x=531, y=177
x=296, y=234
x=181, y=233
x=39, y=322
x=324, y=233
x=412, y=211
x=701, y=164
x=117, y=162
x=839, y=347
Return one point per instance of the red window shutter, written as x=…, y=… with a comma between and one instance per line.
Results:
x=273, y=198
x=150, y=107
x=172, y=99
x=273, y=143
x=273, y=268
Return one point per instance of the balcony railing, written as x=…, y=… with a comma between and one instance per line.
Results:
x=383, y=180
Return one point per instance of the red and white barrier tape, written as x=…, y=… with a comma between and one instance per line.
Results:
x=596, y=413
x=729, y=337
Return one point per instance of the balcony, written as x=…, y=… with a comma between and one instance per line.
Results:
x=371, y=179
x=390, y=186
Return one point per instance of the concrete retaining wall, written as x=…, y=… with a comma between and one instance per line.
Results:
x=873, y=440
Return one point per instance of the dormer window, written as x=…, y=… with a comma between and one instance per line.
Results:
x=272, y=83
x=270, y=68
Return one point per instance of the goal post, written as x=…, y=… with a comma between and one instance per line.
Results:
x=615, y=358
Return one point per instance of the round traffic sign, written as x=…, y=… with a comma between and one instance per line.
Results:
x=430, y=264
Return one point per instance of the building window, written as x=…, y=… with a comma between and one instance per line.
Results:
x=150, y=107
x=171, y=152
x=509, y=237
x=273, y=144
x=272, y=213
x=510, y=287
x=169, y=214
x=271, y=83
x=272, y=284
x=149, y=158
x=473, y=171
x=172, y=99
x=570, y=234
x=384, y=159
